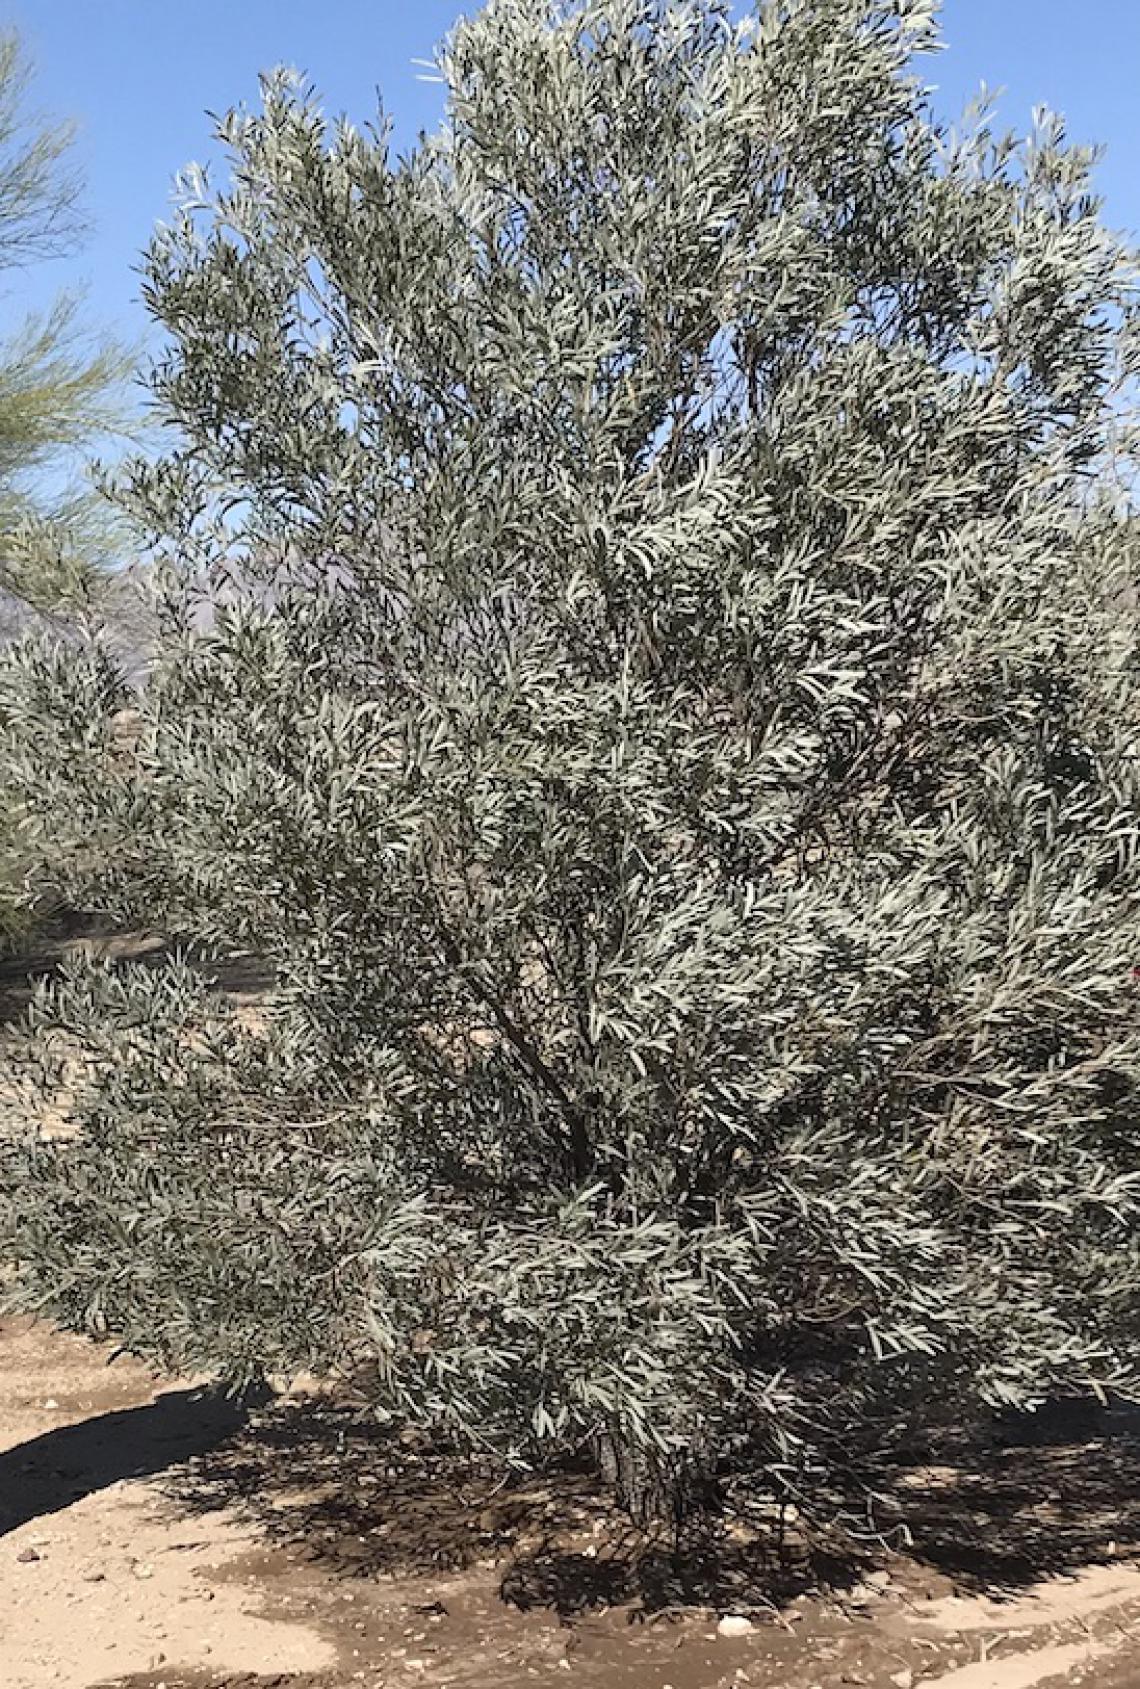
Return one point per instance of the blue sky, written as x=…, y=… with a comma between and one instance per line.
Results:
x=140, y=75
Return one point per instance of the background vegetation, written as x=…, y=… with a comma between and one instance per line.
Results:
x=59, y=393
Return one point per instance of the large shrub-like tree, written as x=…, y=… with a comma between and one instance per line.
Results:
x=650, y=658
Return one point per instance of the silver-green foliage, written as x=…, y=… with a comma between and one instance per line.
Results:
x=651, y=658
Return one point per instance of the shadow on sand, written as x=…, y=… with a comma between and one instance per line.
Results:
x=50, y=1472
x=1029, y=1498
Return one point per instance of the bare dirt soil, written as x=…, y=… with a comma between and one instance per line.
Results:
x=152, y=1535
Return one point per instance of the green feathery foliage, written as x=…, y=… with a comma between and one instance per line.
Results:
x=57, y=392
x=57, y=395
x=650, y=658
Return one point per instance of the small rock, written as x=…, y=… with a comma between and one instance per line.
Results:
x=142, y=1570
x=51, y=1404
x=734, y=1624
x=27, y=1555
x=878, y=1580
x=903, y=1679
x=864, y=1593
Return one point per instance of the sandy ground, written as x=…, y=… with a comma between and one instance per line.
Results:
x=151, y=1536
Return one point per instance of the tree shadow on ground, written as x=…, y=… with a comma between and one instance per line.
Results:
x=365, y=1503
x=1000, y=1510
x=1032, y=1498
x=1041, y=1494
x=50, y=1472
